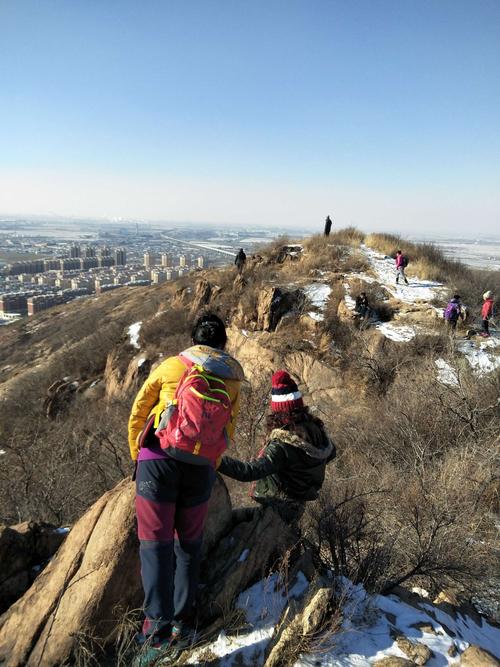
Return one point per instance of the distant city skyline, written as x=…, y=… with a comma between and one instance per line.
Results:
x=381, y=114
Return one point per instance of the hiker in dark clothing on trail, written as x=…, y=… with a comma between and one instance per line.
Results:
x=240, y=260
x=175, y=475
x=290, y=469
x=452, y=313
x=328, y=225
x=401, y=264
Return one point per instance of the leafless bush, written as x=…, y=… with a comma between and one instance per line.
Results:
x=414, y=487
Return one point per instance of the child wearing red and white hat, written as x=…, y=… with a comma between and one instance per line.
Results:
x=290, y=469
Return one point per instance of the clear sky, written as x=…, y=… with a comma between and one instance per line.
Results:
x=382, y=113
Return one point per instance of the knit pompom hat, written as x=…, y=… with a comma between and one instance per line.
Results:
x=285, y=395
x=487, y=295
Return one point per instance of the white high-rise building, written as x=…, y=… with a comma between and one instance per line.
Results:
x=200, y=262
x=182, y=260
x=166, y=259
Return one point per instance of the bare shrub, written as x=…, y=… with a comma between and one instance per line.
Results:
x=411, y=498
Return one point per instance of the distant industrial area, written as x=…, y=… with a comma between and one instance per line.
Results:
x=47, y=263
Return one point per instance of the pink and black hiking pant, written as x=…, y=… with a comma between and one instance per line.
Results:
x=171, y=505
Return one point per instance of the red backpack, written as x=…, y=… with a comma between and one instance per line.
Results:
x=195, y=421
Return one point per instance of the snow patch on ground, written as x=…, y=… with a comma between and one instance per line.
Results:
x=385, y=270
x=133, y=334
x=399, y=333
x=446, y=374
x=318, y=294
x=369, y=625
x=484, y=357
x=263, y=605
x=367, y=633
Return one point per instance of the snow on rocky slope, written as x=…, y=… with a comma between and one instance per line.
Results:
x=371, y=628
x=482, y=354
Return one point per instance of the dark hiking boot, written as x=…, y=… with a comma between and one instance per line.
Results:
x=152, y=653
x=183, y=636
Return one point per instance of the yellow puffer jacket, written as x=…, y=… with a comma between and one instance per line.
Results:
x=159, y=389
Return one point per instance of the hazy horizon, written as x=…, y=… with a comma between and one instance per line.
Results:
x=383, y=115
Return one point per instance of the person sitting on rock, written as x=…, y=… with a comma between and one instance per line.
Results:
x=362, y=307
x=173, y=487
x=486, y=313
x=290, y=469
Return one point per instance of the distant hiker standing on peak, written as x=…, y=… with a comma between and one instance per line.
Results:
x=328, y=225
x=486, y=313
x=453, y=312
x=240, y=260
x=290, y=469
x=401, y=264
x=175, y=474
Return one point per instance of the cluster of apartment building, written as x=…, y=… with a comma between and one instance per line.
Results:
x=29, y=287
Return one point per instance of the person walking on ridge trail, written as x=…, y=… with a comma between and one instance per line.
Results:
x=401, y=264
x=486, y=313
x=290, y=469
x=328, y=225
x=452, y=313
x=175, y=468
x=240, y=260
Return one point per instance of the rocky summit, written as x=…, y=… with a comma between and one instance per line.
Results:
x=393, y=564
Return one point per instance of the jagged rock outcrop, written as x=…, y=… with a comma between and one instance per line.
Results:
x=59, y=395
x=322, y=384
x=24, y=550
x=273, y=303
x=91, y=581
x=124, y=373
x=202, y=295
x=299, y=626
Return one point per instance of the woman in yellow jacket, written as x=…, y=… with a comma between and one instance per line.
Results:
x=173, y=487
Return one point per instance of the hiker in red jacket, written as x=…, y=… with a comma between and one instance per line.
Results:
x=401, y=264
x=486, y=313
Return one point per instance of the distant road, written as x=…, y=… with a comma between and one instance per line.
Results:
x=204, y=246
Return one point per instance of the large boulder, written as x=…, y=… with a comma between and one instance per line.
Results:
x=241, y=558
x=474, y=656
x=125, y=373
x=273, y=303
x=90, y=583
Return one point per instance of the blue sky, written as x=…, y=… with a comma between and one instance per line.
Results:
x=382, y=113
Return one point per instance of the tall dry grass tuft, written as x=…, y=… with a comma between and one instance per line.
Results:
x=347, y=236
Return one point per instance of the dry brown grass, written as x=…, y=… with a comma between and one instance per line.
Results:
x=347, y=236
